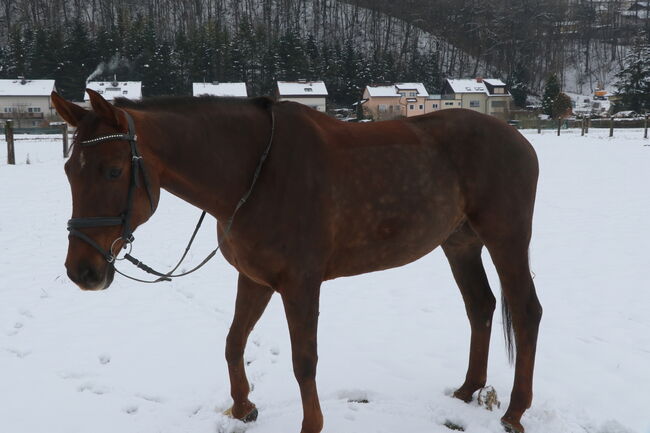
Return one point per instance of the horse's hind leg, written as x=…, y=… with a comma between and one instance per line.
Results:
x=507, y=239
x=463, y=250
x=252, y=299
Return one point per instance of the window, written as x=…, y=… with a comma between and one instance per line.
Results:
x=9, y=109
x=34, y=123
x=434, y=106
x=411, y=107
x=421, y=107
x=125, y=92
x=474, y=104
x=34, y=110
x=498, y=104
x=308, y=90
x=398, y=108
x=383, y=108
x=500, y=90
x=413, y=94
x=447, y=104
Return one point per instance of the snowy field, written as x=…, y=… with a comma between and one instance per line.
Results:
x=149, y=359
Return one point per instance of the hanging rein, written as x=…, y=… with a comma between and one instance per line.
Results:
x=138, y=169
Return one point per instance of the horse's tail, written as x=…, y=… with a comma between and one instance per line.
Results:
x=508, y=333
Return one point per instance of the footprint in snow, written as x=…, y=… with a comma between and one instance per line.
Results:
x=91, y=387
x=19, y=353
x=151, y=398
x=131, y=409
x=104, y=358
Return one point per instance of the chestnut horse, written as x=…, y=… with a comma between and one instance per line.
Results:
x=333, y=199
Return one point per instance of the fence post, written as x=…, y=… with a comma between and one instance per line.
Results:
x=611, y=126
x=9, y=135
x=559, y=125
x=582, y=127
x=539, y=125
x=645, y=132
x=66, y=149
x=587, y=125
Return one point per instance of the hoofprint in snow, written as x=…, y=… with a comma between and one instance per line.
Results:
x=392, y=345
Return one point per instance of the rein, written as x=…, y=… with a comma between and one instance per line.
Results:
x=124, y=219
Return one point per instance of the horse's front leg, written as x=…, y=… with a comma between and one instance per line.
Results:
x=252, y=299
x=300, y=299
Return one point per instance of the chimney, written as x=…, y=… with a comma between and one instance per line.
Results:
x=479, y=79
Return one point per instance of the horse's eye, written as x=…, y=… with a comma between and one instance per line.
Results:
x=114, y=173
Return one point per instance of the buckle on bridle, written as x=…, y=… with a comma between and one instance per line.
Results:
x=128, y=243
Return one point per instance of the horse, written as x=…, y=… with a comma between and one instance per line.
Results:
x=332, y=199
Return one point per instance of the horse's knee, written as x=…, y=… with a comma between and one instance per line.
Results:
x=234, y=348
x=304, y=367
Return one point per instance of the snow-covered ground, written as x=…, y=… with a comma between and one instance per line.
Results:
x=149, y=359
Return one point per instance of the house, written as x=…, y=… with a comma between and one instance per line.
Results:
x=396, y=100
x=485, y=95
x=237, y=90
x=310, y=93
x=115, y=89
x=26, y=102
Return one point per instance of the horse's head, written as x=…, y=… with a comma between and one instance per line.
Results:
x=113, y=191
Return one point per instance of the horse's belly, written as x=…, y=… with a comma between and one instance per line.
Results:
x=381, y=239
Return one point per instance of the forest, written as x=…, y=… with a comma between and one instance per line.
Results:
x=170, y=44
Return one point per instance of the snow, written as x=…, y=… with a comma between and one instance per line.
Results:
x=116, y=89
x=467, y=86
x=382, y=91
x=419, y=87
x=14, y=87
x=494, y=82
x=220, y=89
x=302, y=88
x=143, y=358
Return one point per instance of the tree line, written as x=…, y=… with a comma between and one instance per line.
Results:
x=168, y=44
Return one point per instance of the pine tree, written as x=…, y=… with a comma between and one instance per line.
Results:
x=634, y=79
x=551, y=90
x=516, y=84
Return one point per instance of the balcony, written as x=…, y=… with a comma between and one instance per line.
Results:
x=15, y=116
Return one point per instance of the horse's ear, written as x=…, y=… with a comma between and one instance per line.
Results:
x=104, y=109
x=71, y=113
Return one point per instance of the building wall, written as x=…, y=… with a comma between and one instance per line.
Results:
x=17, y=108
x=383, y=108
x=316, y=102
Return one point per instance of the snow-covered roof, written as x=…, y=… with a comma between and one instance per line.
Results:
x=467, y=86
x=494, y=82
x=382, y=91
x=302, y=88
x=115, y=89
x=422, y=91
x=21, y=87
x=220, y=89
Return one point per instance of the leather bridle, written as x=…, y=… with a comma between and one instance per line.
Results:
x=124, y=219
x=138, y=170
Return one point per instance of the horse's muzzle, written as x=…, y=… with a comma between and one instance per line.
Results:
x=90, y=277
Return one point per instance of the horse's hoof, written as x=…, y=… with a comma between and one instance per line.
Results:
x=512, y=426
x=462, y=395
x=249, y=417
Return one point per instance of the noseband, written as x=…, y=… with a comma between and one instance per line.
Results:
x=124, y=219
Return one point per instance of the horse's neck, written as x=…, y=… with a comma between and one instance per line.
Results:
x=209, y=161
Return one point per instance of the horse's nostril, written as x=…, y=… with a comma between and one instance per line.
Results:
x=89, y=277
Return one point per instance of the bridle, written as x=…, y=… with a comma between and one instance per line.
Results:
x=138, y=170
x=124, y=219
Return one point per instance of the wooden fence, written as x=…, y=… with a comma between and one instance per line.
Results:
x=55, y=128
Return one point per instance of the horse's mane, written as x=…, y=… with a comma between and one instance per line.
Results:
x=179, y=102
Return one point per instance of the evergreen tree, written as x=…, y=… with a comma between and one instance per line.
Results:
x=516, y=84
x=79, y=60
x=551, y=90
x=634, y=79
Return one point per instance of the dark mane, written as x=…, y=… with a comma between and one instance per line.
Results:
x=179, y=102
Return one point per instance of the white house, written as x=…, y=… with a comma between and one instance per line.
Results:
x=237, y=90
x=115, y=89
x=26, y=102
x=310, y=93
x=485, y=95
